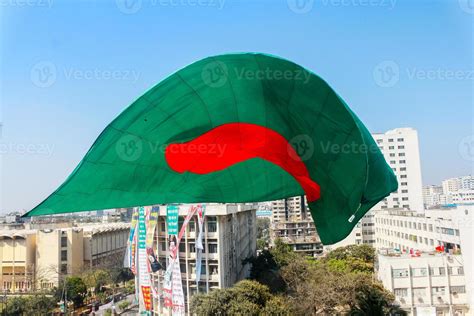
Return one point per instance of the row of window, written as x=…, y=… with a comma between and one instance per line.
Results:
x=422, y=291
x=423, y=272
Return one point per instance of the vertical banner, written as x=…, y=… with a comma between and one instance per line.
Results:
x=199, y=246
x=130, y=253
x=143, y=274
x=172, y=215
x=152, y=262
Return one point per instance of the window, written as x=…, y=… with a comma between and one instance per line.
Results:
x=400, y=139
x=403, y=176
x=64, y=268
x=392, y=155
x=63, y=241
x=211, y=224
x=212, y=248
x=63, y=255
x=401, y=161
x=401, y=155
x=163, y=226
x=401, y=147
x=419, y=291
x=403, y=169
x=437, y=271
x=457, y=289
x=391, y=147
x=400, y=273
x=419, y=272
x=404, y=191
x=390, y=140
x=438, y=290
x=400, y=292
x=392, y=162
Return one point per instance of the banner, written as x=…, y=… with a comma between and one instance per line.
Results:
x=199, y=246
x=143, y=274
x=152, y=262
x=129, y=261
x=172, y=216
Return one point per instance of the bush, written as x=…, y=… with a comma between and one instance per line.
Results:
x=123, y=305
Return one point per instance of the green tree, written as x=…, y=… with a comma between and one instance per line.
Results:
x=76, y=290
x=15, y=306
x=263, y=227
x=39, y=305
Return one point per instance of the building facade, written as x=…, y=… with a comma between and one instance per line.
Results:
x=301, y=235
x=427, y=283
x=229, y=238
x=33, y=259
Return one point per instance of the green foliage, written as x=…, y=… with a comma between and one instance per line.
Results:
x=130, y=287
x=261, y=244
x=245, y=298
x=263, y=226
x=108, y=312
x=36, y=305
x=123, y=305
x=265, y=270
x=282, y=253
x=76, y=290
x=16, y=306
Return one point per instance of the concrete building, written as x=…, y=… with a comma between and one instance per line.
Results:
x=427, y=283
x=457, y=184
x=290, y=209
x=33, y=259
x=17, y=260
x=401, y=151
x=301, y=235
x=229, y=238
x=408, y=232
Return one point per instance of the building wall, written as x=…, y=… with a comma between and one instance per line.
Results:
x=229, y=237
x=429, y=282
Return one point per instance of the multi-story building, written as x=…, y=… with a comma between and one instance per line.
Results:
x=459, y=183
x=17, y=260
x=401, y=151
x=426, y=283
x=33, y=259
x=448, y=229
x=229, y=238
x=301, y=235
x=290, y=209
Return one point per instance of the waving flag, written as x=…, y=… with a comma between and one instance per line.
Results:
x=234, y=128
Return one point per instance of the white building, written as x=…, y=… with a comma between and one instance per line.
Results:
x=401, y=151
x=290, y=209
x=230, y=236
x=456, y=184
x=427, y=284
x=405, y=232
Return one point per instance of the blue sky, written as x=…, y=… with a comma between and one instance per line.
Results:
x=68, y=68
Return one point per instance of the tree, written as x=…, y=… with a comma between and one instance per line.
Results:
x=40, y=305
x=264, y=269
x=263, y=226
x=76, y=290
x=245, y=298
x=15, y=306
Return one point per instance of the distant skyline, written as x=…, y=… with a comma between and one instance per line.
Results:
x=67, y=69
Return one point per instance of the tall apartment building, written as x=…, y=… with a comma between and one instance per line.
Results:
x=301, y=235
x=229, y=238
x=38, y=258
x=401, y=151
x=290, y=209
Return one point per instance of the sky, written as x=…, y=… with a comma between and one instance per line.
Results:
x=67, y=68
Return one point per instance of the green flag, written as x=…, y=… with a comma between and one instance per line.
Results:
x=234, y=128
